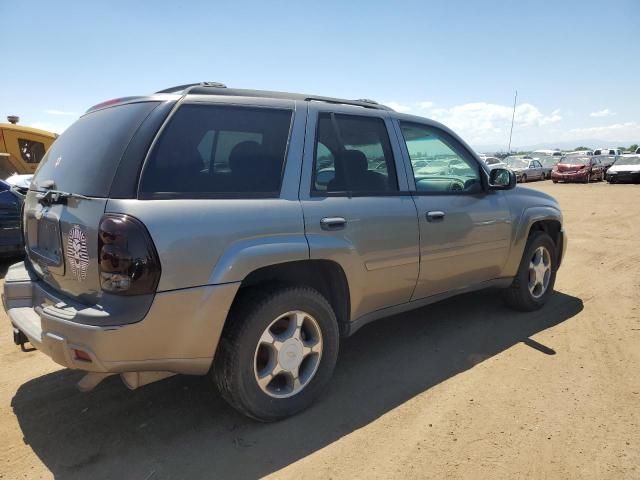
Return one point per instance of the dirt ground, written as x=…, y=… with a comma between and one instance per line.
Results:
x=461, y=389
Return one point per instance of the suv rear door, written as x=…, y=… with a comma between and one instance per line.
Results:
x=61, y=235
x=357, y=210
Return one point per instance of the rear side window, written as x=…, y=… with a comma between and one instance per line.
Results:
x=219, y=151
x=353, y=154
x=85, y=157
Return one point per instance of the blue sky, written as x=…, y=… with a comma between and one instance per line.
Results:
x=575, y=64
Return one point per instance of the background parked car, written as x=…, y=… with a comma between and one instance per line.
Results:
x=546, y=153
x=578, y=153
x=11, y=242
x=526, y=168
x=494, y=162
x=575, y=168
x=607, y=156
x=626, y=169
x=19, y=182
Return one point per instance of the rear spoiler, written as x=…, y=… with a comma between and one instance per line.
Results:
x=111, y=103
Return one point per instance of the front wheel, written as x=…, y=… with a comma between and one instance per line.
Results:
x=524, y=179
x=277, y=352
x=536, y=275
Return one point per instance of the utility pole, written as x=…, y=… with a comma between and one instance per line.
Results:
x=513, y=116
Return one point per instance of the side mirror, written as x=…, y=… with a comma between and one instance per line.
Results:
x=501, y=179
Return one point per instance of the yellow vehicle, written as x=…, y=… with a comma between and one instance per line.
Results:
x=22, y=148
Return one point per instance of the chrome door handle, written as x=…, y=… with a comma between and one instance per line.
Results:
x=332, y=223
x=435, y=216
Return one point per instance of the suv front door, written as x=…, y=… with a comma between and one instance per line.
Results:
x=357, y=208
x=465, y=230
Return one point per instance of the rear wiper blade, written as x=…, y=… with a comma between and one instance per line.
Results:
x=51, y=197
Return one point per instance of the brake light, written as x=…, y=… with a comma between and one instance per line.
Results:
x=129, y=263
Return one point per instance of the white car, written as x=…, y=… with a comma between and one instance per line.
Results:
x=21, y=182
x=494, y=162
x=626, y=169
x=579, y=152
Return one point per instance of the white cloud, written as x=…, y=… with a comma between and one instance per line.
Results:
x=61, y=112
x=602, y=113
x=628, y=131
x=425, y=105
x=482, y=122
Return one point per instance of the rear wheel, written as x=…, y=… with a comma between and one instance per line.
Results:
x=536, y=275
x=277, y=353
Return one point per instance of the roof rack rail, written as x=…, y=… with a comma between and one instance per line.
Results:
x=216, y=88
x=367, y=100
x=180, y=88
x=366, y=103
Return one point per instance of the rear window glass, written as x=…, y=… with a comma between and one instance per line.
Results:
x=85, y=157
x=209, y=150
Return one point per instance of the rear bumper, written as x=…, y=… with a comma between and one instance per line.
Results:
x=179, y=334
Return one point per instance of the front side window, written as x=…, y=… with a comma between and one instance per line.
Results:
x=30, y=150
x=353, y=156
x=208, y=150
x=448, y=168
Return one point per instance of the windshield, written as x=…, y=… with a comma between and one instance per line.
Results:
x=628, y=161
x=577, y=161
x=514, y=162
x=85, y=157
x=549, y=161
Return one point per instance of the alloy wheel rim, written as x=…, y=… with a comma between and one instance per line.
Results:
x=539, y=272
x=288, y=354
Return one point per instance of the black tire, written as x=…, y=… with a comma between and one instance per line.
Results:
x=233, y=369
x=524, y=179
x=554, y=181
x=517, y=296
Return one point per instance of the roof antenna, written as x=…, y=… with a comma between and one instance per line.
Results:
x=513, y=116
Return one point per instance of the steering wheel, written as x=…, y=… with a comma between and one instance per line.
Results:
x=456, y=186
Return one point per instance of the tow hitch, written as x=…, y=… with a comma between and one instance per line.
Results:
x=20, y=338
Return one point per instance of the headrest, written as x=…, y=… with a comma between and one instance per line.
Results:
x=243, y=154
x=355, y=161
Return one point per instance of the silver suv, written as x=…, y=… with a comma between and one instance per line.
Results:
x=240, y=234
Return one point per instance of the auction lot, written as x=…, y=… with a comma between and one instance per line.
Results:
x=462, y=389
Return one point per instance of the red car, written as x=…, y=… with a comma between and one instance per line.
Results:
x=578, y=169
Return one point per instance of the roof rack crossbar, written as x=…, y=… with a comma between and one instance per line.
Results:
x=339, y=101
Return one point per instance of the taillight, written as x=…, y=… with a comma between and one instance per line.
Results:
x=129, y=263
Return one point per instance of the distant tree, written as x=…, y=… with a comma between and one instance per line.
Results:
x=621, y=148
x=633, y=147
x=582, y=148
